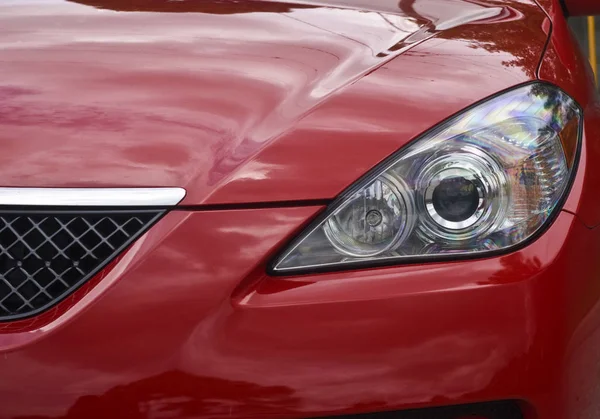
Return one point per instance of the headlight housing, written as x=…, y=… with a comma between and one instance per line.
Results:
x=484, y=181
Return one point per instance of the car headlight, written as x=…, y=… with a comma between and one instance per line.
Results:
x=484, y=181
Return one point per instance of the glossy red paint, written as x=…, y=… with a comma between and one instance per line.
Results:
x=241, y=104
x=174, y=332
x=261, y=97
x=568, y=68
x=582, y=7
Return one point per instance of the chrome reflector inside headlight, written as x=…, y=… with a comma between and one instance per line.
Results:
x=484, y=181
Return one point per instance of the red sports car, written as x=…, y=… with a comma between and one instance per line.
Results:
x=264, y=209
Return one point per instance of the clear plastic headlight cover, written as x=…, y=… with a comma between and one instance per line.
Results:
x=484, y=181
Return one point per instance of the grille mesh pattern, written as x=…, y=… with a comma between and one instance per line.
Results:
x=46, y=256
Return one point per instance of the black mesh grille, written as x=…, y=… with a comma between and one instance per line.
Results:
x=44, y=256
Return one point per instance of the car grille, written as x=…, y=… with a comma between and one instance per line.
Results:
x=45, y=256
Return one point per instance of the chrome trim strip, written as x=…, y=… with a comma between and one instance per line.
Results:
x=92, y=197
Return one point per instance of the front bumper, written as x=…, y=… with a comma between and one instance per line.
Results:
x=185, y=324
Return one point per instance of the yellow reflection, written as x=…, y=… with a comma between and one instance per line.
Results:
x=592, y=45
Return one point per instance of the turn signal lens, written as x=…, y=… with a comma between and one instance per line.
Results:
x=484, y=181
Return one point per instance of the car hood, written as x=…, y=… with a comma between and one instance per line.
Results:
x=242, y=102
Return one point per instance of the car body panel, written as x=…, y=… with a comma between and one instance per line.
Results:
x=242, y=103
x=568, y=68
x=178, y=334
x=581, y=7
x=186, y=323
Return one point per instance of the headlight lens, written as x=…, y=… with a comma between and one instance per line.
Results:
x=484, y=181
